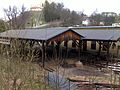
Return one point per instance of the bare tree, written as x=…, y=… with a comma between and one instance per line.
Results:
x=16, y=17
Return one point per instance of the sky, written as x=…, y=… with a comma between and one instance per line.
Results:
x=87, y=6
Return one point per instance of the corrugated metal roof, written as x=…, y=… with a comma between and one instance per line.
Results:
x=35, y=34
x=48, y=33
x=95, y=27
x=99, y=34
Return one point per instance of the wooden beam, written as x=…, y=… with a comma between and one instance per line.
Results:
x=118, y=51
x=108, y=48
x=58, y=48
x=53, y=49
x=43, y=54
x=66, y=49
x=80, y=48
x=99, y=47
x=85, y=45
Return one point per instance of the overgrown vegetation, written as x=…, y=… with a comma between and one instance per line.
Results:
x=17, y=71
x=3, y=26
x=19, y=75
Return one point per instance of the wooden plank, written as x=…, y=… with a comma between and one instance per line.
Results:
x=4, y=41
x=43, y=53
x=75, y=79
x=107, y=85
x=69, y=35
x=101, y=85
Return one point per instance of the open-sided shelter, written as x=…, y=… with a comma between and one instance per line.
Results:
x=104, y=38
x=42, y=36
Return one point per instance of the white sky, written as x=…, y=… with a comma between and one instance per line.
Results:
x=88, y=6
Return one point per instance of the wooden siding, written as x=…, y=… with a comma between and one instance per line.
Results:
x=68, y=35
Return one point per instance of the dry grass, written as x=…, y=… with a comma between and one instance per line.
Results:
x=19, y=75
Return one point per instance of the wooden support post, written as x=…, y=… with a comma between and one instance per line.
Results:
x=53, y=49
x=58, y=49
x=66, y=50
x=99, y=47
x=79, y=47
x=118, y=51
x=108, y=47
x=24, y=43
x=84, y=45
x=31, y=44
x=80, y=43
x=43, y=53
